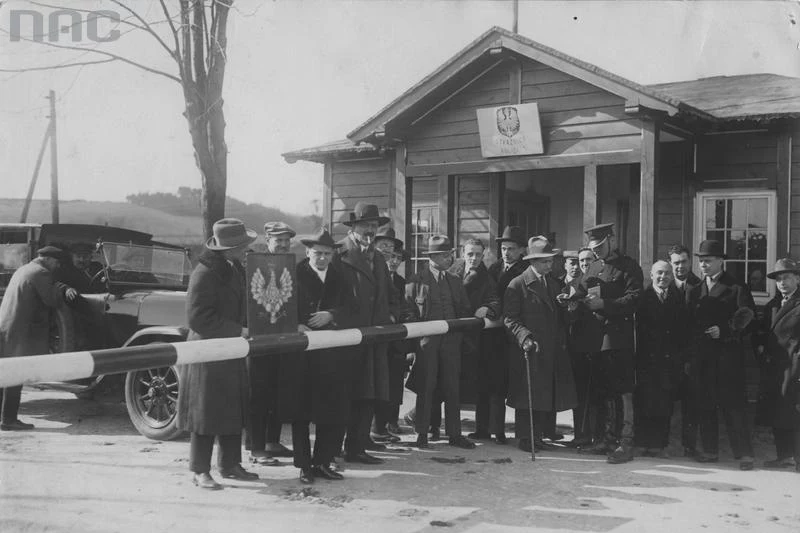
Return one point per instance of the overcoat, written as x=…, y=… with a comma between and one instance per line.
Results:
x=661, y=351
x=30, y=297
x=717, y=366
x=779, y=334
x=372, y=292
x=213, y=398
x=316, y=386
x=530, y=310
x=397, y=350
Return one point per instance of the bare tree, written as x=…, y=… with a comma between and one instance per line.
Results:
x=199, y=36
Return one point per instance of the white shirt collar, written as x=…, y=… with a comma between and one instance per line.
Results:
x=322, y=274
x=435, y=271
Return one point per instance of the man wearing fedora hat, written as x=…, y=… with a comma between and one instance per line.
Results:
x=536, y=321
x=717, y=361
x=368, y=276
x=213, y=401
x=607, y=298
x=436, y=294
x=777, y=345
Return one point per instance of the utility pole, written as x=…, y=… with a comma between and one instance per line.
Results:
x=32, y=186
x=515, y=25
x=53, y=159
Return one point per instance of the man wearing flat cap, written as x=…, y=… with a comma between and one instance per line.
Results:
x=717, y=358
x=367, y=275
x=81, y=272
x=25, y=320
x=777, y=346
x=607, y=298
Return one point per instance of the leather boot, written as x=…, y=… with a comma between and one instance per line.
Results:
x=624, y=451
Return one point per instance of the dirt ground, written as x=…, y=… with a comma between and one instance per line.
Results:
x=84, y=468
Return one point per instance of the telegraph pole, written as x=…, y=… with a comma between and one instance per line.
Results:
x=53, y=159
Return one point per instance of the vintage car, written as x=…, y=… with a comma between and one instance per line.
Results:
x=139, y=298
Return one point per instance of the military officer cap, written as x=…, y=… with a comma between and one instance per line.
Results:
x=51, y=251
x=570, y=254
x=599, y=234
x=273, y=229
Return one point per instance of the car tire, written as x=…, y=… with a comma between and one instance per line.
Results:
x=151, y=397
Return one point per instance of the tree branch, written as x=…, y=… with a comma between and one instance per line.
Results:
x=172, y=53
x=186, y=43
x=55, y=67
x=198, y=45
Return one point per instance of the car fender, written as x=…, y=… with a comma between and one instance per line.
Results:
x=152, y=333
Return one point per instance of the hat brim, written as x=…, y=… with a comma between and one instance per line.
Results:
x=251, y=236
x=601, y=242
x=312, y=242
x=705, y=254
x=774, y=275
x=539, y=256
x=501, y=240
x=289, y=232
x=397, y=242
x=380, y=220
x=438, y=252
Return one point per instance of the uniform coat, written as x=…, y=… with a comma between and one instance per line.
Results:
x=372, y=292
x=530, y=310
x=213, y=398
x=25, y=311
x=718, y=365
x=316, y=386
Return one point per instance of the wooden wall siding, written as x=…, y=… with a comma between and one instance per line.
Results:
x=576, y=117
x=670, y=205
x=737, y=160
x=794, y=212
x=362, y=180
x=474, y=206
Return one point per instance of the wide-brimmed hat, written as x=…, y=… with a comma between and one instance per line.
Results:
x=438, y=244
x=273, y=229
x=364, y=212
x=539, y=248
x=322, y=237
x=230, y=233
x=711, y=247
x=599, y=234
x=51, y=251
x=784, y=265
x=513, y=234
x=389, y=235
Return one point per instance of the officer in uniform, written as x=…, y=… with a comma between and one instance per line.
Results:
x=606, y=300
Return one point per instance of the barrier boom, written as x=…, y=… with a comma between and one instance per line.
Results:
x=77, y=365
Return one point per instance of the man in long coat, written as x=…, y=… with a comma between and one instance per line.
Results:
x=316, y=385
x=25, y=319
x=534, y=318
x=777, y=346
x=367, y=275
x=213, y=403
x=717, y=355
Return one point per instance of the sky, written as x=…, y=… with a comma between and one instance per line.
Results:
x=305, y=72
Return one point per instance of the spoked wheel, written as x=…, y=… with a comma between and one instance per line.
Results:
x=151, y=397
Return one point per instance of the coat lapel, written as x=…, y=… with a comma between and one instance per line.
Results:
x=783, y=310
x=353, y=256
x=536, y=287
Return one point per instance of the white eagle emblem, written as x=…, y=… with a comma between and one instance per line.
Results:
x=269, y=295
x=508, y=121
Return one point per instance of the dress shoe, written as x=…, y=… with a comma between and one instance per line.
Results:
x=479, y=435
x=598, y=448
x=362, y=457
x=237, y=472
x=409, y=420
x=325, y=472
x=205, y=481
x=787, y=462
x=689, y=452
x=16, y=425
x=276, y=449
x=622, y=454
x=306, y=476
x=500, y=438
x=394, y=429
x=702, y=458
x=263, y=458
x=385, y=436
x=578, y=442
x=554, y=436
x=421, y=442
x=460, y=441
x=747, y=463
x=436, y=434
x=373, y=446
x=542, y=446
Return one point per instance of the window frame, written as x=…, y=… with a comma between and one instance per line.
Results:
x=761, y=298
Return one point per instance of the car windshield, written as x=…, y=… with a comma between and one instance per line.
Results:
x=151, y=265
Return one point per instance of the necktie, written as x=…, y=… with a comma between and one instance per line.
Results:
x=710, y=282
x=544, y=281
x=662, y=296
x=784, y=300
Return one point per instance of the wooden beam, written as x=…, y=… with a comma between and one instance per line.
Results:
x=327, y=196
x=495, y=228
x=397, y=193
x=648, y=175
x=589, y=195
x=784, y=177
x=515, y=83
x=444, y=204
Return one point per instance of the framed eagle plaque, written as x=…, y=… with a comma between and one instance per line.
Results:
x=271, y=293
x=510, y=130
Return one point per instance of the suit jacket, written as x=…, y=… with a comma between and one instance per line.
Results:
x=530, y=310
x=503, y=278
x=481, y=288
x=417, y=295
x=691, y=281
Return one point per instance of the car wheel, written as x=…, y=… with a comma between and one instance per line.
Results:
x=151, y=397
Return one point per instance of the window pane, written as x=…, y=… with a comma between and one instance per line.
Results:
x=736, y=247
x=756, y=275
x=737, y=270
x=715, y=214
x=737, y=214
x=757, y=212
x=756, y=245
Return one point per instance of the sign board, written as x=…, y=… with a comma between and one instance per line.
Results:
x=510, y=130
x=271, y=293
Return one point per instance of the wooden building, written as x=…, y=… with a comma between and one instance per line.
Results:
x=669, y=163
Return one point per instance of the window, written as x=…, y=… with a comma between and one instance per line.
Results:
x=425, y=218
x=745, y=222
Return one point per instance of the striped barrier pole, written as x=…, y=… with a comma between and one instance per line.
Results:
x=77, y=365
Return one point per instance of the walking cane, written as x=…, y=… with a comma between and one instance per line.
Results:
x=530, y=394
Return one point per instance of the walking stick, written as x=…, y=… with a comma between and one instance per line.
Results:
x=530, y=395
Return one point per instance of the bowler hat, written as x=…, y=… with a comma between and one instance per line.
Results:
x=364, y=212
x=598, y=234
x=784, y=265
x=322, y=237
x=230, y=233
x=438, y=244
x=272, y=229
x=513, y=234
x=539, y=248
x=711, y=247
x=51, y=251
x=389, y=235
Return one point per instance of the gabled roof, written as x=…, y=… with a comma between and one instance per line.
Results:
x=745, y=97
x=323, y=151
x=497, y=39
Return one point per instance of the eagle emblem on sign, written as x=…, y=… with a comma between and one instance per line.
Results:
x=508, y=121
x=272, y=295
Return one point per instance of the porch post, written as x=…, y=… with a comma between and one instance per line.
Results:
x=648, y=223
x=589, y=195
x=397, y=193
